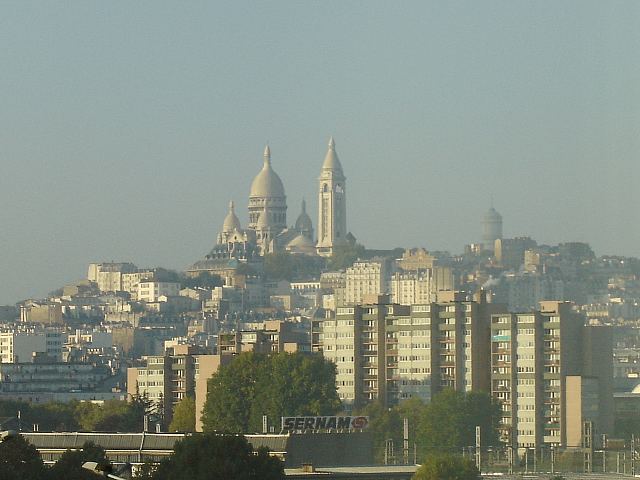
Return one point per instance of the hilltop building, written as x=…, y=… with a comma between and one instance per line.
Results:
x=267, y=230
x=491, y=229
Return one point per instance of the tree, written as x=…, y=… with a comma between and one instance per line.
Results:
x=447, y=467
x=52, y=416
x=294, y=384
x=384, y=424
x=276, y=385
x=344, y=256
x=230, y=394
x=184, y=416
x=284, y=266
x=388, y=423
x=19, y=460
x=203, y=280
x=449, y=422
x=218, y=457
x=113, y=415
x=69, y=465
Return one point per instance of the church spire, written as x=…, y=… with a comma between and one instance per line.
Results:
x=267, y=155
x=331, y=162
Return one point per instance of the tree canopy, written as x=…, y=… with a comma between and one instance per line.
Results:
x=449, y=421
x=344, y=256
x=445, y=425
x=69, y=465
x=118, y=415
x=276, y=385
x=284, y=266
x=218, y=457
x=447, y=467
x=19, y=460
x=184, y=416
x=203, y=280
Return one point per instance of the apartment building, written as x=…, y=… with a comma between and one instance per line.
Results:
x=20, y=347
x=32, y=378
x=165, y=379
x=539, y=360
x=151, y=290
x=109, y=275
x=393, y=352
x=420, y=286
x=271, y=336
x=366, y=279
x=46, y=313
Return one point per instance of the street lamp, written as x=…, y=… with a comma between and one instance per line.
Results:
x=99, y=469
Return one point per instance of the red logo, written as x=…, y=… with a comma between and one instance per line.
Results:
x=359, y=422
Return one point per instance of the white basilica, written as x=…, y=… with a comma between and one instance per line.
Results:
x=267, y=230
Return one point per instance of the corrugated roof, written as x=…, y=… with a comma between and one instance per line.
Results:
x=275, y=443
x=134, y=441
x=109, y=441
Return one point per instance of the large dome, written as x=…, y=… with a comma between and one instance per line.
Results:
x=267, y=183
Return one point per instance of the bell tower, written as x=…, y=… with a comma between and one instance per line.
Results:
x=332, y=204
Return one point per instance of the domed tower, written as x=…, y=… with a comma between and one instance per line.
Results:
x=332, y=204
x=303, y=224
x=267, y=204
x=491, y=229
x=230, y=225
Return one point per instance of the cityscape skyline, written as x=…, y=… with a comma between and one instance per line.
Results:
x=128, y=147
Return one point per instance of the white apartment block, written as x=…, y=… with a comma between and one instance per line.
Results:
x=19, y=347
x=533, y=354
x=108, y=276
x=130, y=281
x=305, y=287
x=337, y=339
x=395, y=352
x=366, y=279
x=151, y=291
x=92, y=338
x=412, y=288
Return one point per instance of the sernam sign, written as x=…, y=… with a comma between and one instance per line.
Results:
x=324, y=423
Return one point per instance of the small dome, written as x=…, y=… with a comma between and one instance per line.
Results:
x=300, y=242
x=231, y=221
x=267, y=183
x=303, y=223
x=331, y=161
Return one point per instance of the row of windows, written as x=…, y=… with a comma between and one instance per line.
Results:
x=144, y=371
x=415, y=370
x=409, y=358
x=151, y=384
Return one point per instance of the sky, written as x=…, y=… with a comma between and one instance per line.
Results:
x=126, y=127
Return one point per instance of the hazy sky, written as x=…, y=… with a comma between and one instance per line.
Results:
x=126, y=127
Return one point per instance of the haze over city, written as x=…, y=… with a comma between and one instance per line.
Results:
x=126, y=128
